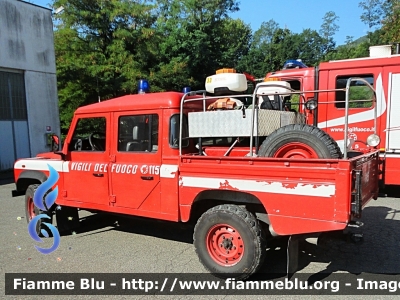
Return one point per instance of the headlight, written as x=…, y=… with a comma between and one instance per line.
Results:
x=311, y=104
x=373, y=140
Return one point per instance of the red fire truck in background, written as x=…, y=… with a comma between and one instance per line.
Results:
x=382, y=71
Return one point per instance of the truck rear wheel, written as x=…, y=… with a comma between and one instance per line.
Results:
x=299, y=141
x=228, y=241
x=32, y=211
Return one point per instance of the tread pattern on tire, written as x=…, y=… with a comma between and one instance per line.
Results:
x=312, y=131
x=34, y=188
x=247, y=217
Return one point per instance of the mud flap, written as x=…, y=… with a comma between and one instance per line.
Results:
x=67, y=218
x=292, y=255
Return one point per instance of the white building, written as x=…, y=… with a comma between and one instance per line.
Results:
x=28, y=87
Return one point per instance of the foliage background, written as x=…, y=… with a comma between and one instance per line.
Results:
x=103, y=47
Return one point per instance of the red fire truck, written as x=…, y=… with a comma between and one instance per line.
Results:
x=241, y=170
x=381, y=70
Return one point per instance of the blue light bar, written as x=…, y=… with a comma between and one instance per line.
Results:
x=143, y=86
x=294, y=64
x=186, y=89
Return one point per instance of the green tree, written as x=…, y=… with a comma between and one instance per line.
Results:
x=372, y=16
x=259, y=58
x=391, y=21
x=102, y=49
x=284, y=46
x=328, y=29
x=372, y=12
x=310, y=47
x=272, y=46
x=265, y=33
x=235, y=42
x=356, y=49
x=192, y=36
x=348, y=50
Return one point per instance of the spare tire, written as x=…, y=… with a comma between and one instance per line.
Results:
x=299, y=141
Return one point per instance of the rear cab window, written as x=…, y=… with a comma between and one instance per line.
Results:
x=174, y=125
x=138, y=133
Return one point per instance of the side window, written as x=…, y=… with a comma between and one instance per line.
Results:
x=174, y=131
x=138, y=133
x=292, y=102
x=360, y=95
x=89, y=135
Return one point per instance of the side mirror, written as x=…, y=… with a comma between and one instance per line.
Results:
x=311, y=104
x=55, y=142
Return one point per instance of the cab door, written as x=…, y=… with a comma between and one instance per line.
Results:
x=393, y=121
x=135, y=167
x=86, y=176
x=361, y=106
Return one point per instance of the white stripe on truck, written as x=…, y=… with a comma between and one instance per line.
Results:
x=40, y=164
x=303, y=189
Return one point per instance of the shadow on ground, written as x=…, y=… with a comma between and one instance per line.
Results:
x=377, y=254
x=101, y=222
x=6, y=177
x=391, y=191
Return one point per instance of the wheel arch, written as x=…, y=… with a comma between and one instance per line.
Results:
x=209, y=198
x=28, y=177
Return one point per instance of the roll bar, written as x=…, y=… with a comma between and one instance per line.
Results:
x=290, y=91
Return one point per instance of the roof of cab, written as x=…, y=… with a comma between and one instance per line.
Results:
x=134, y=102
x=292, y=72
x=362, y=62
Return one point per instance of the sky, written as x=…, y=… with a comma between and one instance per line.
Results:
x=296, y=15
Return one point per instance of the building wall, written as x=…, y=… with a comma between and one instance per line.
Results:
x=27, y=46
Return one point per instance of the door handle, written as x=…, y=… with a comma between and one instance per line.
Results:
x=147, y=177
x=98, y=175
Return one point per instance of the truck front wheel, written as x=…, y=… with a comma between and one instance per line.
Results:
x=32, y=211
x=228, y=241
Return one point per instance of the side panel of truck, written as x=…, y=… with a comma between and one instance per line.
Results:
x=298, y=196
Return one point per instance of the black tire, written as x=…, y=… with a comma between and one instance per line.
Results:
x=31, y=210
x=243, y=227
x=297, y=136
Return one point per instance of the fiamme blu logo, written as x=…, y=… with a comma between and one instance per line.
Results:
x=44, y=200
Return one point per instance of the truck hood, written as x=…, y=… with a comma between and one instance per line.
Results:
x=48, y=155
